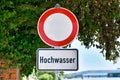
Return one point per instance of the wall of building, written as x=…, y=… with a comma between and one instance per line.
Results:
x=8, y=74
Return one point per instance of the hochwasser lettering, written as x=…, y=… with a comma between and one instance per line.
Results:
x=56, y=60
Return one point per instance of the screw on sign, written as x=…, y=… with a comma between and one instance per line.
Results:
x=57, y=27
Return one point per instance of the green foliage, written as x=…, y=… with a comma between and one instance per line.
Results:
x=48, y=75
x=19, y=38
x=99, y=22
x=45, y=75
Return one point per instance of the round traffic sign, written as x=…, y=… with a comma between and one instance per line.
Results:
x=57, y=26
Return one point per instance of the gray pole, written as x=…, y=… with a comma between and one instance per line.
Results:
x=57, y=5
x=56, y=75
x=57, y=72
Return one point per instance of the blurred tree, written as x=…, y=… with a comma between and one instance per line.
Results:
x=99, y=22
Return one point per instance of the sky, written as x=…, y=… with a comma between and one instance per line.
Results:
x=92, y=59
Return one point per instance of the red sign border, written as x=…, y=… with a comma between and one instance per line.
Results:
x=49, y=12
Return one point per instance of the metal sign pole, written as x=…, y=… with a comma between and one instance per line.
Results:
x=56, y=72
x=56, y=75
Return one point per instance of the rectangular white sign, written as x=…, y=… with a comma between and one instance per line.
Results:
x=57, y=59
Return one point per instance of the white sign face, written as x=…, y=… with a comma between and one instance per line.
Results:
x=58, y=25
x=57, y=59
